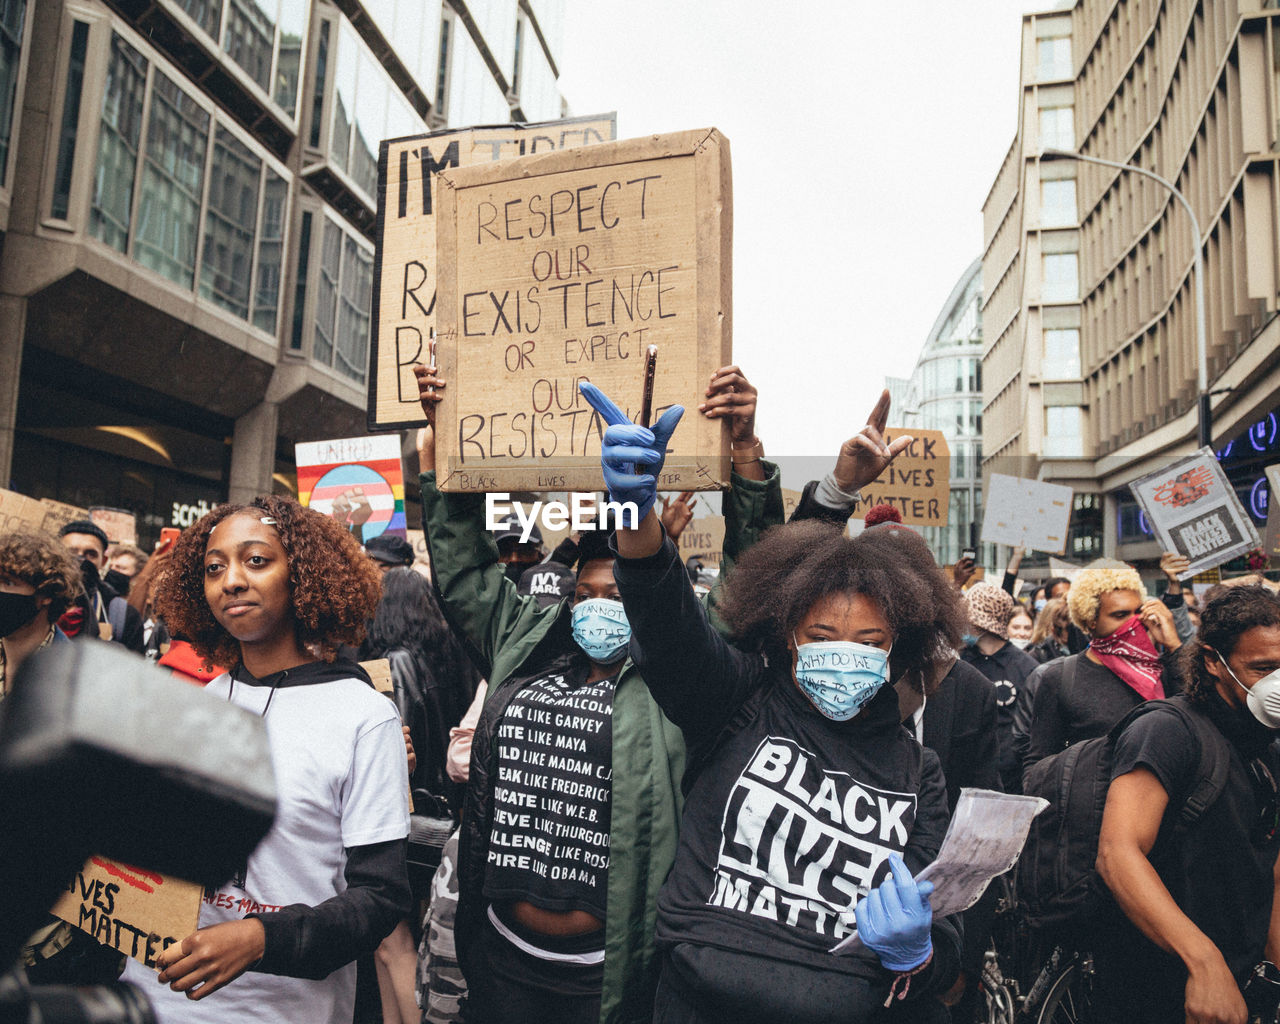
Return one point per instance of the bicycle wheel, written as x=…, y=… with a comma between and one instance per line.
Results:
x=1070, y=998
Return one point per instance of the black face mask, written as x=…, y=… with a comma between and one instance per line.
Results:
x=117, y=581
x=16, y=611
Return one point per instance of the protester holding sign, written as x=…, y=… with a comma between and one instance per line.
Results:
x=805, y=795
x=570, y=816
x=274, y=589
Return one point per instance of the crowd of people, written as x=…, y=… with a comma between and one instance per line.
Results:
x=666, y=795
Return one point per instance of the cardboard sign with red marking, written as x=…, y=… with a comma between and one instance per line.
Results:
x=138, y=912
x=1195, y=511
x=917, y=483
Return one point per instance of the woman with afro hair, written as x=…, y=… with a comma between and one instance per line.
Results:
x=808, y=807
x=274, y=590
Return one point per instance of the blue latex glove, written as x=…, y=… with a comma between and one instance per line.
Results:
x=631, y=455
x=894, y=919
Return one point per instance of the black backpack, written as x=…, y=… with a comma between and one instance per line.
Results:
x=1057, y=877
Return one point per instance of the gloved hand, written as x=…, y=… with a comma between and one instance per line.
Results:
x=894, y=919
x=627, y=447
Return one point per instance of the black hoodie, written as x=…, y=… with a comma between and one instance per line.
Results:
x=789, y=816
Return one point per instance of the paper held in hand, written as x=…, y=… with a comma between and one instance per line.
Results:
x=984, y=839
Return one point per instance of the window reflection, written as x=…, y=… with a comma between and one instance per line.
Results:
x=205, y=13
x=12, y=18
x=270, y=252
x=229, y=226
x=172, y=180
x=250, y=37
x=344, y=299
x=118, y=143
x=1061, y=278
x=344, y=96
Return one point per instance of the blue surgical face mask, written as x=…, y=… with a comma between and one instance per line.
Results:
x=1040, y=603
x=839, y=676
x=601, y=629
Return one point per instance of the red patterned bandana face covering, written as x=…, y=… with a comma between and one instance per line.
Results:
x=1130, y=654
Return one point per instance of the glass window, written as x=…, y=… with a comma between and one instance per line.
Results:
x=266, y=297
x=118, y=141
x=227, y=255
x=1062, y=431
x=172, y=182
x=206, y=13
x=1057, y=128
x=250, y=37
x=1061, y=278
x=70, y=122
x=12, y=17
x=300, y=288
x=442, y=67
x=371, y=121
x=327, y=293
x=293, y=20
x=353, y=311
x=1055, y=58
x=344, y=96
x=1061, y=354
x=317, y=100
x=1058, y=204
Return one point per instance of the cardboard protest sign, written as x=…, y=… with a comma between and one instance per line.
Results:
x=58, y=513
x=917, y=483
x=18, y=513
x=565, y=267
x=404, y=283
x=1271, y=538
x=121, y=527
x=790, y=502
x=704, y=537
x=380, y=672
x=355, y=480
x=1067, y=570
x=1194, y=511
x=1025, y=512
x=138, y=912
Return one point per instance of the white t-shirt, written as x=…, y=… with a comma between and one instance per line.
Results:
x=342, y=781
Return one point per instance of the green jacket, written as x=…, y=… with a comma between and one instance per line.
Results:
x=512, y=637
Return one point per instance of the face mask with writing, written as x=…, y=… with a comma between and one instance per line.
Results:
x=839, y=676
x=601, y=629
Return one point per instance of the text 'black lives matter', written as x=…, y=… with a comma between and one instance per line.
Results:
x=801, y=845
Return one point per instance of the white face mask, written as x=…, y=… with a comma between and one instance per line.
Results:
x=1263, y=698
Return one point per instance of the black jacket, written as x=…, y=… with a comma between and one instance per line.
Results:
x=960, y=727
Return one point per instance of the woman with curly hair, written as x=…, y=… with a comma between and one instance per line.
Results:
x=274, y=589
x=808, y=806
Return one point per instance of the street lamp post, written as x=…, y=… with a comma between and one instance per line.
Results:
x=1202, y=356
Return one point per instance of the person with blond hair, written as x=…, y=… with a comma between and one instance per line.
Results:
x=1129, y=660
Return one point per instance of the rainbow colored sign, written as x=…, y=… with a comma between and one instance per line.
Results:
x=355, y=480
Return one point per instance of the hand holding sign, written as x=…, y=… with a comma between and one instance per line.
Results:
x=894, y=919
x=865, y=456
x=731, y=395
x=212, y=957
x=627, y=446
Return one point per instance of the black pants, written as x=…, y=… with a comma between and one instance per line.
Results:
x=511, y=987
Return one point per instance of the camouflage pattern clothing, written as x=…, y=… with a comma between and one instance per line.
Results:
x=441, y=990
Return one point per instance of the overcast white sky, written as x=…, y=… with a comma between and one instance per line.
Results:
x=864, y=139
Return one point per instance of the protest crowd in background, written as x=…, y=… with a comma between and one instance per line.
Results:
x=608, y=782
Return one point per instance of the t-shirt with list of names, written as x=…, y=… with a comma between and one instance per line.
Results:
x=549, y=842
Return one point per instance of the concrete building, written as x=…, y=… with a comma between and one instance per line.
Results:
x=944, y=392
x=187, y=200
x=1089, y=361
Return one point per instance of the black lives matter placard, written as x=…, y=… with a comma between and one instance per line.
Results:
x=565, y=267
x=404, y=285
x=551, y=802
x=801, y=844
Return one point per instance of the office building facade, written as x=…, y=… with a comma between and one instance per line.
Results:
x=1089, y=359
x=188, y=192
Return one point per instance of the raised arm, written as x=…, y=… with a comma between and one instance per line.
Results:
x=696, y=677
x=474, y=592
